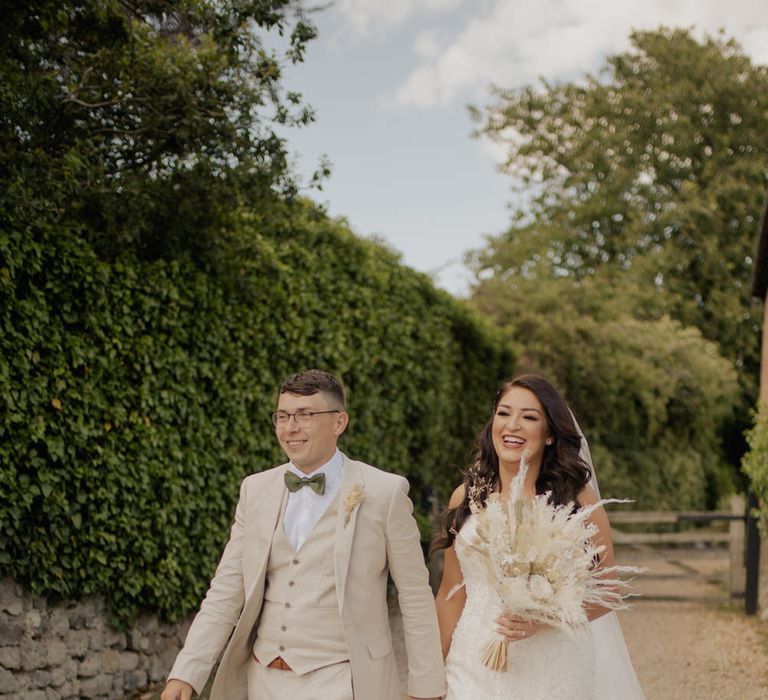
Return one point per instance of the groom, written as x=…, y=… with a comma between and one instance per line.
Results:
x=303, y=578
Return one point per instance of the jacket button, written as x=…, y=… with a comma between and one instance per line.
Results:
x=290, y=583
x=283, y=628
x=295, y=561
x=282, y=648
x=287, y=605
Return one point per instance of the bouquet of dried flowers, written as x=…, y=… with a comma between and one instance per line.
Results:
x=542, y=560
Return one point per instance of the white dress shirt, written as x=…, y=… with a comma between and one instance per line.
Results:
x=305, y=506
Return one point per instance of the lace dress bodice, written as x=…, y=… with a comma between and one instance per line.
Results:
x=550, y=665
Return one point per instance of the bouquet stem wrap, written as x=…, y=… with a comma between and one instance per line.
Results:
x=495, y=655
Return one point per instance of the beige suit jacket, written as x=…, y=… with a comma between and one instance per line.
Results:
x=380, y=536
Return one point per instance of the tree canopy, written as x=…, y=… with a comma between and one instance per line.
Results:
x=651, y=395
x=655, y=171
x=147, y=123
x=626, y=271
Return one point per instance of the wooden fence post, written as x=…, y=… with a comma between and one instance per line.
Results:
x=736, y=548
x=753, y=556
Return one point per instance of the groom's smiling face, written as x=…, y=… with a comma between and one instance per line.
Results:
x=311, y=442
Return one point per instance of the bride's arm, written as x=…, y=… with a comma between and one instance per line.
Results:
x=449, y=610
x=603, y=537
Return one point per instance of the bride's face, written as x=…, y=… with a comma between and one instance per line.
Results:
x=519, y=424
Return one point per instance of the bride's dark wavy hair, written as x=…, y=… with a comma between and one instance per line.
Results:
x=564, y=474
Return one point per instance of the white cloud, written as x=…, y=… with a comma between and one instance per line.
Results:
x=362, y=17
x=755, y=43
x=514, y=43
x=429, y=44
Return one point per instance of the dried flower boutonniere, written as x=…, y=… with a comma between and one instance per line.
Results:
x=353, y=499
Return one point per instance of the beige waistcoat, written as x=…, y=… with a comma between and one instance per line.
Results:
x=300, y=619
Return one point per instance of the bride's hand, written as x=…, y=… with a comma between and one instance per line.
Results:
x=513, y=629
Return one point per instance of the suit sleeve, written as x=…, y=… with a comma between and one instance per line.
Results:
x=218, y=613
x=426, y=674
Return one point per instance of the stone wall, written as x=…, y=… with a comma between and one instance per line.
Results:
x=69, y=651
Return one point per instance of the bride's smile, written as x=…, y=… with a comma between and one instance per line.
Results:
x=519, y=425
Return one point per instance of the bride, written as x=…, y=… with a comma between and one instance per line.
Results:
x=544, y=663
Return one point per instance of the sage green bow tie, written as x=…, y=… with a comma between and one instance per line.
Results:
x=293, y=482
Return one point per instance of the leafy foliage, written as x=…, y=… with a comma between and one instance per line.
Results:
x=656, y=170
x=642, y=186
x=755, y=463
x=159, y=276
x=651, y=395
x=146, y=121
x=135, y=395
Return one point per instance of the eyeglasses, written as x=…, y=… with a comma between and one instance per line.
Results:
x=281, y=419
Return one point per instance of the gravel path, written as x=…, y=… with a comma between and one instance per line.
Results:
x=686, y=641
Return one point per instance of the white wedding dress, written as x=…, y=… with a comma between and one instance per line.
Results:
x=550, y=665
x=593, y=664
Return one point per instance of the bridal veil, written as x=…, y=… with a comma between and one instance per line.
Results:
x=615, y=676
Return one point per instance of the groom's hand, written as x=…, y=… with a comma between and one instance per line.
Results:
x=177, y=690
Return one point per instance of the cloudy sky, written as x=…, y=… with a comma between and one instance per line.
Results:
x=390, y=81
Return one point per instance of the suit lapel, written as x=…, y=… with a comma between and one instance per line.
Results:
x=346, y=519
x=269, y=507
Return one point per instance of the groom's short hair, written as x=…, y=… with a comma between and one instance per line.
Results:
x=316, y=381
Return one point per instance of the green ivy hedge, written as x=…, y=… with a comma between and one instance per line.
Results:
x=135, y=395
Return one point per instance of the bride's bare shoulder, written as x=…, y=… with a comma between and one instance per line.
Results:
x=457, y=497
x=587, y=497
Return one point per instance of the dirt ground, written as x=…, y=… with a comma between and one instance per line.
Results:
x=686, y=639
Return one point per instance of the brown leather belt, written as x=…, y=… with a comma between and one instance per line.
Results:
x=279, y=663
